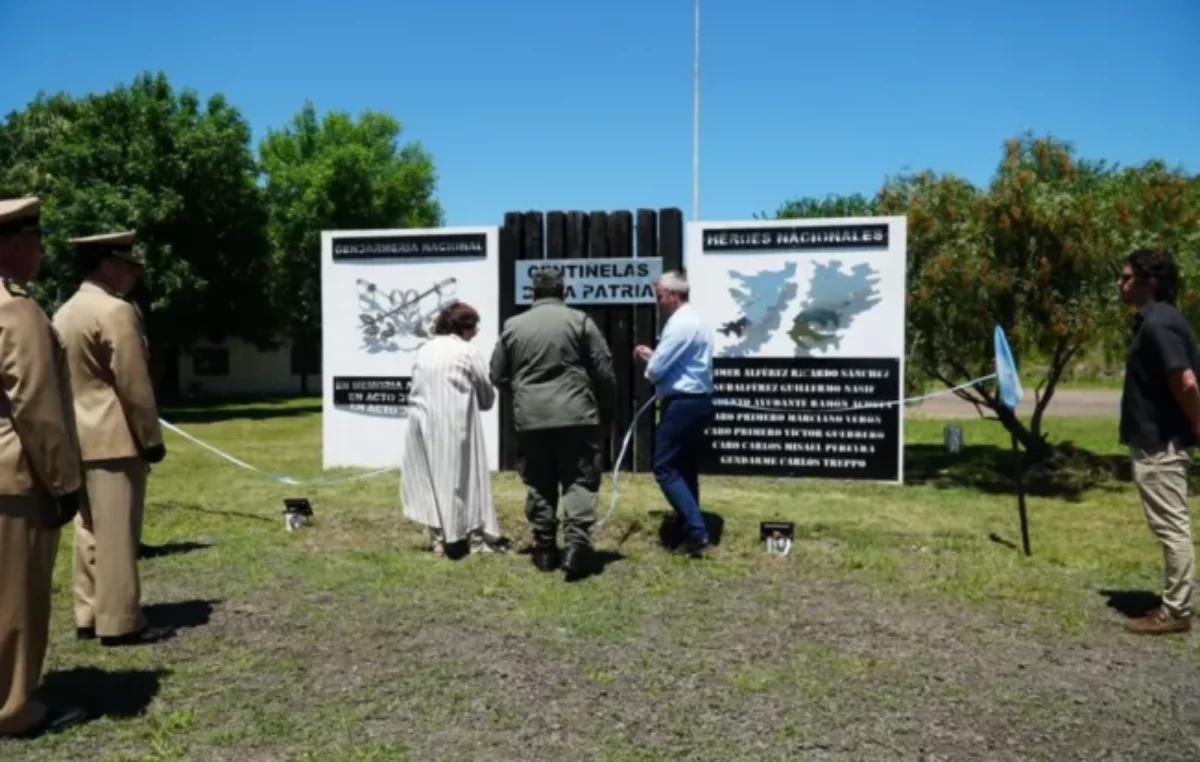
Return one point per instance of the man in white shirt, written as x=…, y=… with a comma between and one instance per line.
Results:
x=681, y=371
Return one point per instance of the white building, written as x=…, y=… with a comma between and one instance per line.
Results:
x=237, y=368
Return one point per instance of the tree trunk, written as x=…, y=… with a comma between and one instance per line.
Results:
x=1035, y=444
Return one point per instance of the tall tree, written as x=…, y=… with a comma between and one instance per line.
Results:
x=1153, y=205
x=855, y=205
x=336, y=173
x=180, y=173
x=1036, y=252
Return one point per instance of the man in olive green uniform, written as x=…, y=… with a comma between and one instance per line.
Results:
x=40, y=478
x=119, y=435
x=558, y=366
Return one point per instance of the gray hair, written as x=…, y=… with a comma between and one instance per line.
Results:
x=675, y=282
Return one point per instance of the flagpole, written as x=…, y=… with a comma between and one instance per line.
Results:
x=695, y=110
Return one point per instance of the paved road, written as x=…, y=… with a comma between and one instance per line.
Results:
x=1066, y=402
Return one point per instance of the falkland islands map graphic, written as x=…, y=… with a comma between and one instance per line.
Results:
x=769, y=301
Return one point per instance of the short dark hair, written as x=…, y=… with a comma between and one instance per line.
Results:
x=457, y=319
x=549, y=292
x=1156, y=267
x=89, y=258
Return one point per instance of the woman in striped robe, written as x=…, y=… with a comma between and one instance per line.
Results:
x=444, y=479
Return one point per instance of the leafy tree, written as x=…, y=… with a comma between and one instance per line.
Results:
x=336, y=173
x=1152, y=205
x=856, y=205
x=1035, y=251
x=180, y=173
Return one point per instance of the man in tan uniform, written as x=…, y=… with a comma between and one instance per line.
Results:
x=119, y=435
x=40, y=478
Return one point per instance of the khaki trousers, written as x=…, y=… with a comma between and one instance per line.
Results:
x=1162, y=481
x=108, y=529
x=28, y=547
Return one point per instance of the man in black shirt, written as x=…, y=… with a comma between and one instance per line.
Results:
x=1160, y=423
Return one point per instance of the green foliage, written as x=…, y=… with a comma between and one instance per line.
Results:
x=856, y=205
x=335, y=173
x=1152, y=205
x=179, y=172
x=225, y=254
x=1035, y=251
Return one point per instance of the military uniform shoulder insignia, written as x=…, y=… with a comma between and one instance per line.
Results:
x=14, y=288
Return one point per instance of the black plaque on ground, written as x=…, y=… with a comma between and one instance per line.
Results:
x=374, y=395
x=831, y=418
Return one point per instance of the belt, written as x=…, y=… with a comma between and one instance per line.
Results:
x=1178, y=444
x=685, y=396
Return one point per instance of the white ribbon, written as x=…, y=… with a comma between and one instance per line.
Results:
x=281, y=479
x=633, y=424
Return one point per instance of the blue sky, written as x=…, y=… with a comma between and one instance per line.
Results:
x=532, y=104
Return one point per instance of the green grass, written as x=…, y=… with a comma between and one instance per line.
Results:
x=348, y=641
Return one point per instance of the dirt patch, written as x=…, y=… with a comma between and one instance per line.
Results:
x=777, y=665
x=348, y=641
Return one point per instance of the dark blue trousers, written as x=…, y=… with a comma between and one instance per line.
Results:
x=677, y=448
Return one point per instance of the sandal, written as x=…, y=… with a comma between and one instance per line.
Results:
x=481, y=543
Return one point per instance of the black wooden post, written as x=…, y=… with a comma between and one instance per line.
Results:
x=556, y=235
x=597, y=248
x=644, y=332
x=620, y=331
x=511, y=242
x=670, y=242
x=579, y=235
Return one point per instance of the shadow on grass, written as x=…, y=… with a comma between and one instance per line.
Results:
x=600, y=561
x=196, y=508
x=170, y=549
x=1003, y=541
x=1132, y=603
x=670, y=531
x=992, y=469
x=121, y=694
x=219, y=409
x=180, y=614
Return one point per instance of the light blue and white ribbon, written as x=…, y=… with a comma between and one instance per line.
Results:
x=1006, y=375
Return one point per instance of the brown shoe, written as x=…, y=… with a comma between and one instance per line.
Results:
x=1159, y=622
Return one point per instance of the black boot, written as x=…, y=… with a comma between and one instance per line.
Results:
x=143, y=637
x=693, y=548
x=578, y=562
x=56, y=720
x=546, y=557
